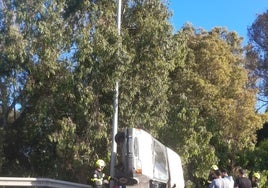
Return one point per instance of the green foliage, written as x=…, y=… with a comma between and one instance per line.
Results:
x=208, y=120
x=258, y=33
x=11, y=65
x=261, y=154
x=257, y=161
x=194, y=90
x=147, y=39
x=263, y=182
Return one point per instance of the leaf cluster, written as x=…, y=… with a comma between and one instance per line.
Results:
x=193, y=90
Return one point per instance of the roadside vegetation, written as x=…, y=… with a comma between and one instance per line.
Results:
x=197, y=91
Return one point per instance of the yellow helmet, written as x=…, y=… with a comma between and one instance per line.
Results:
x=214, y=167
x=100, y=163
x=256, y=175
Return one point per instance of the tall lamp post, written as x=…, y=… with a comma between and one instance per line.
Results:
x=115, y=118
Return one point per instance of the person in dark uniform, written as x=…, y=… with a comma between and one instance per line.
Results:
x=98, y=178
x=213, y=168
x=242, y=181
x=255, y=177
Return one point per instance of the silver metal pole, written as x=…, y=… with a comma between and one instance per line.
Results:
x=115, y=125
x=119, y=17
x=115, y=120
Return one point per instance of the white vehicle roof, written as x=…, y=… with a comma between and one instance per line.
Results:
x=175, y=169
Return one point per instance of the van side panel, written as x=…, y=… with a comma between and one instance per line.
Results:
x=145, y=157
x=175, y=169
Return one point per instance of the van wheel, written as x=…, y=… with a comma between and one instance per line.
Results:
x=119, y=137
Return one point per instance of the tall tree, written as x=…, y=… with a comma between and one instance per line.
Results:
x=211, y=87
x=12, y=61
x=69, y=100
x=148, y=41
x=12, y=74
x=42, y=31
x=258, y=33
x=60, y=61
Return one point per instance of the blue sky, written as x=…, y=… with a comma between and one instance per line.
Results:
x=235, y=15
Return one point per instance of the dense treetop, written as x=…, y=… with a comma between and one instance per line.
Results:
x=194, y=90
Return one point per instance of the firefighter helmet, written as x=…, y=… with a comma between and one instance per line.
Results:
x=256, y=175
x=214, y=167
x=100, y=163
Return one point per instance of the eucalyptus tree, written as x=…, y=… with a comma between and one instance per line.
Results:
x=186, y=130
x=38, y=41
x=257, y=33
x=148, y=54
x=234, y=103
x=95, y=55
x=69, y=55
x=64, y=120
x=12, y=62
x=140, y=59
x=212, y=106
x=12, y=73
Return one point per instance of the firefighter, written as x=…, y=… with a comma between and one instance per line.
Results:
x=213, y=168
x=255, y=177
x=98, y=179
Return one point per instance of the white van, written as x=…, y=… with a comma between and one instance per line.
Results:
x=142, y=161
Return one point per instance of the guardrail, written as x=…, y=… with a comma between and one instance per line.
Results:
x=39, y=182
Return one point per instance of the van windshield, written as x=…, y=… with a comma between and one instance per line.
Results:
x=160, y=162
